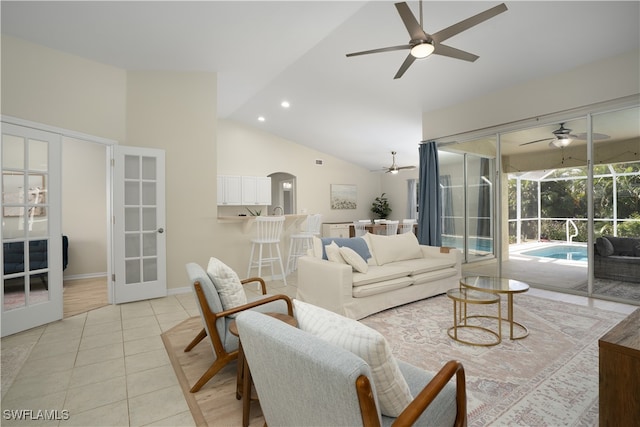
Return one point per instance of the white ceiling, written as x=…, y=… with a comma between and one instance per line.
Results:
x=352, y=108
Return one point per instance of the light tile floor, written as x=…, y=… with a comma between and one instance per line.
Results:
x=108, y=367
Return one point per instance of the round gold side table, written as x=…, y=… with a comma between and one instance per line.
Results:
x=463, y=296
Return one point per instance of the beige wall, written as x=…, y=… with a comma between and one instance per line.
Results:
x=601, y=81
x=176, y=111
x=51, y=87
x=244, y=150
x=84, y=207
x=395, y=189
x=247, y=151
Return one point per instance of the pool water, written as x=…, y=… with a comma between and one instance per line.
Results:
x=567, y=252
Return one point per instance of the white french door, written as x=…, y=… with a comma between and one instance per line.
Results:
x=139, y=238
x=31, y=227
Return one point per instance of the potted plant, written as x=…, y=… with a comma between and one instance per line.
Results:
x=380, y=207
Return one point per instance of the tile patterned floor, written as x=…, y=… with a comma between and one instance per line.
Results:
x=109, y=367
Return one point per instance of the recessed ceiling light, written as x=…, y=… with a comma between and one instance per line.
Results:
x=285, y=104
x=261, y=119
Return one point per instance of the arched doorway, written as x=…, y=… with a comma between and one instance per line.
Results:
x=283, y=193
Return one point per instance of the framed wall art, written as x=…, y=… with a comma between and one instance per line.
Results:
x=344, y=196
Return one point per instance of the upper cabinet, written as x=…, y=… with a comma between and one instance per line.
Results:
x=229, y=190
x=244, y=190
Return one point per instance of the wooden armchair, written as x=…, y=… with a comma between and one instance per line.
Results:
x=302, y=379
x=216, y=320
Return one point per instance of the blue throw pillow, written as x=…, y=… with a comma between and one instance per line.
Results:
x=356, y=243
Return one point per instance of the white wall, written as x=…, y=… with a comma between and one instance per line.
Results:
x=601, y=81
x=248, y=151
x=395, y=189
x=51, y=87
x=176, y=111
x=84, y=207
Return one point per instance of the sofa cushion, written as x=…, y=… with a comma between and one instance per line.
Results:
x=399, y=247
x=432, y=276
x=604, y=246
x=425, y=265
x=227, y=283
x=382, y=287
x=333, y=253
x=354, y=260
x=391, y=388
x=356, y=243
x=624, y=246
x=377, y=273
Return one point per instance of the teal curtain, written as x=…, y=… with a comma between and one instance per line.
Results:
x=429, y=203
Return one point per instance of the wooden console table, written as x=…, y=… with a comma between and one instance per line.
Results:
x=619, y=351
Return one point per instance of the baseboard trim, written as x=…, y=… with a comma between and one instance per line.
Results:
x=85, y=276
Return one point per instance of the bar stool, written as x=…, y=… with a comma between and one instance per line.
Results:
x=300, y=243
x=268, y=231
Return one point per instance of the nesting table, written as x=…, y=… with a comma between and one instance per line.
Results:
x=499, y=285
x=463, y=296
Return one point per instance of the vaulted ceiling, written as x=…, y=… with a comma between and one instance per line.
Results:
x=266, y=51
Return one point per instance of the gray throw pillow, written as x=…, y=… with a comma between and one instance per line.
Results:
x=604, y=246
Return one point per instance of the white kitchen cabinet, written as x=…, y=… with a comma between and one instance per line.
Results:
x=230, y=190
x=236, y=190
x=256, y=190
x=335, y=229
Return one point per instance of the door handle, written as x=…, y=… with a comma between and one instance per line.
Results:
x=160, y=230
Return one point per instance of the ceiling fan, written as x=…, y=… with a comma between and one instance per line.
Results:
x=423, y=44
x=394, y=168
x=562, y=138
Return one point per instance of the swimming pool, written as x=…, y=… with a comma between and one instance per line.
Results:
x=567, y=252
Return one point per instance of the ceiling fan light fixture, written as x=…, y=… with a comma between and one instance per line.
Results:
x=561, y=141
x=394, y=171
x=422, y=49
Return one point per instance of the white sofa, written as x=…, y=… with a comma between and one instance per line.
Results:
x=399, y=271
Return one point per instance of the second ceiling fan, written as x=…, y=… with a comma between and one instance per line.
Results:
x=394, y=168
x=423, y=44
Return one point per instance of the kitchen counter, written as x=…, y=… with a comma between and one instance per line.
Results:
x=289, y=221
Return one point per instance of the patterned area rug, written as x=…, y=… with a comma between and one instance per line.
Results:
x=548, y=378
x=614, y=288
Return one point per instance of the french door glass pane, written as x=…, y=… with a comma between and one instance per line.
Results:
x=25, y=222
x=140, y=219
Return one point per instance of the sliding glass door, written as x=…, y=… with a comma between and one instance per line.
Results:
x=564, y=211
x=616, y=205
x=468, y=198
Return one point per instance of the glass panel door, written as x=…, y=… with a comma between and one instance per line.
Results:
x=139, y=234
x=467, y=173
x=545, y=173
x=31, y=237
x=616, y=205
